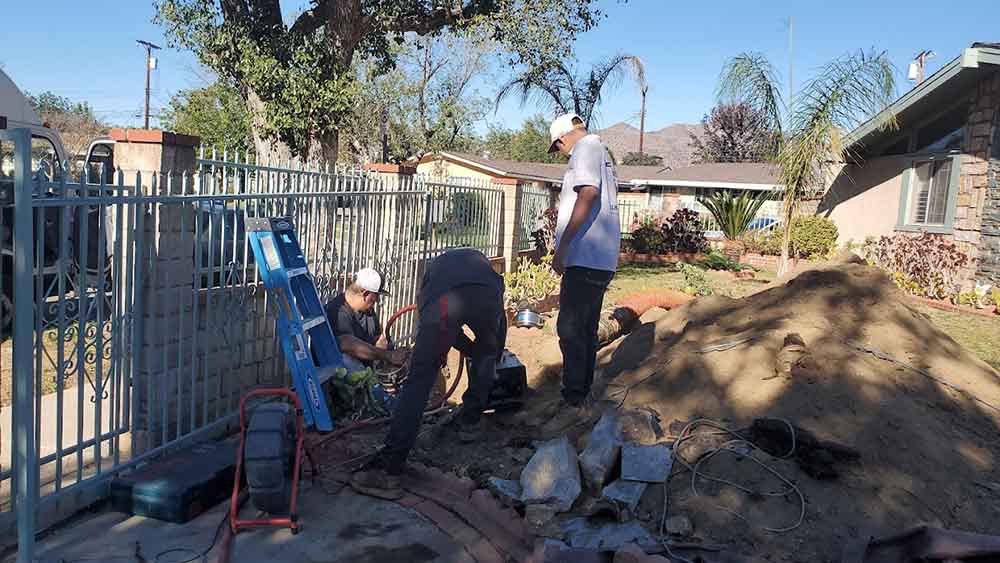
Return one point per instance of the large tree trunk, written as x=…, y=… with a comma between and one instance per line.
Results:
x=268, y=150
x=323, y=151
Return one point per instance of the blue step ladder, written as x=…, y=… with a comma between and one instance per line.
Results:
x=301, y=320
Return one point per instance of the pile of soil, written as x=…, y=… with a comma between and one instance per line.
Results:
x=921, y=411
x=926, y=448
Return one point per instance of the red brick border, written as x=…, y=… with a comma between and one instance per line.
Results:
x=488, y=532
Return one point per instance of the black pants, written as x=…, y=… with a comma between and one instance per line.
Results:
x=439, y=329
x=580, y=298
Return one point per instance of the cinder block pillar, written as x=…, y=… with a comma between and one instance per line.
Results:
x=160, y=256
x=510, y=239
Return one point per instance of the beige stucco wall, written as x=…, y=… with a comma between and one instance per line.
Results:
x=863, y=200
x=446, y=168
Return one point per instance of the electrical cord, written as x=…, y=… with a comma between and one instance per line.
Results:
x=198, y=555
x=743, y=448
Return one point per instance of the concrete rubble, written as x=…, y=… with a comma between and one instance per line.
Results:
x=508, y=491
x=584, y=534
x=626, y=493
x=552, y=476
x=598, y=459
x=650, y=464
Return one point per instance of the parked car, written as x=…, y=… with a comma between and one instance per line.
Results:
x=49, y=162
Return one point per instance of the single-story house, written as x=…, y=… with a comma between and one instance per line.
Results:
x=641, y=188
x=937, y=172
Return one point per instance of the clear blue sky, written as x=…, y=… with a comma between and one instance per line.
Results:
x=87, y=51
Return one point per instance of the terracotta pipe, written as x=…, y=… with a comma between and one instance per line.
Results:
x=623, y=318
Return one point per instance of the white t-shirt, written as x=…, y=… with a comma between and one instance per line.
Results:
x=598, y=242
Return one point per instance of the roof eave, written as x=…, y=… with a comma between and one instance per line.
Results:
x=708, y=184
x=968, y=61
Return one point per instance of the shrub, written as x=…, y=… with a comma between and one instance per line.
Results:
x=719, y=261
x=695, y=282
x=530, y=284
x=926, y=265
x=647, y=238
x=466, y=208
x=767, y=243
x=813, y=237
x=683, y=233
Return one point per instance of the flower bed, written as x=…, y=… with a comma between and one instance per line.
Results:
x=634, y=258
x=990, y=311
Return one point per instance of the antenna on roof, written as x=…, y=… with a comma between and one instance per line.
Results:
x=916, y=71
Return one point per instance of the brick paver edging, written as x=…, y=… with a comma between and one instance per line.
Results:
x=489, y=532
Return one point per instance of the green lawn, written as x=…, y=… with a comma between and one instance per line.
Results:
x=979, y=334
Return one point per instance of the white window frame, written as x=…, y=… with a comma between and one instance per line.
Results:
x=906, y=200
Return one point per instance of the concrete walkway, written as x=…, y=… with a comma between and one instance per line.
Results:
x=341, y=528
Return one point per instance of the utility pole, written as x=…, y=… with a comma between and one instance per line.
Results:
x=791, y=64
x=916, y=70
x=150, y=65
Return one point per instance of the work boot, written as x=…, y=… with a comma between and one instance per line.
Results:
x=467, y=430
x=569, y=415
x=377, y=483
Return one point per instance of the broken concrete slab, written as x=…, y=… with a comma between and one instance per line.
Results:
x=552, y=476
x=581, y=533
x=628, y=493
x=650, y=464
x=640, y=426
x=507, y=490
x=598, y=459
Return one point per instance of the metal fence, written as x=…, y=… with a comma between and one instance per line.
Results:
x=138, y=316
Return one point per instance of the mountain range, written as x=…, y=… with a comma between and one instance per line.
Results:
x=671, y=142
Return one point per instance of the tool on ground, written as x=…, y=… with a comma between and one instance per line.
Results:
x=270, y=451
x=301, y=321
x=510, y=382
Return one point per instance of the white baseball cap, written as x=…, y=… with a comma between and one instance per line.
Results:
x=369, y=279
x=561, y=126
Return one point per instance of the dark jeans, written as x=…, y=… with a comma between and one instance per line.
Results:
x=439, y=329
x=580, y=298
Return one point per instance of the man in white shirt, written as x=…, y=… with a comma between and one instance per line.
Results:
x=588, y=243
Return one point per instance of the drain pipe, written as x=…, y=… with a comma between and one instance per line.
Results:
x=623, y=318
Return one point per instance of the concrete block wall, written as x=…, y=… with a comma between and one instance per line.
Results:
x=199, y=348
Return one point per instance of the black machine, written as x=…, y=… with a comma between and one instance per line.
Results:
x=510, y=383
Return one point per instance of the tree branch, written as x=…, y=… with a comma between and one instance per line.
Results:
x=310, y=20
x=423, y=22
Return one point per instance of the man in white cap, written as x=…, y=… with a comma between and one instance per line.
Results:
x=587, y=246
x=355, y=323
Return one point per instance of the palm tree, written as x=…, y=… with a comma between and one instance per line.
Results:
x=564, y=90
x=846, y=91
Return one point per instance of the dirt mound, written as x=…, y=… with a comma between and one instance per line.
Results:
x=920, y=409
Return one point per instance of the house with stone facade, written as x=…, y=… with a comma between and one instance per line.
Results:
x=937, y=172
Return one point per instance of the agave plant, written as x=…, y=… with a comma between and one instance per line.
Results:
x=735, y=213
